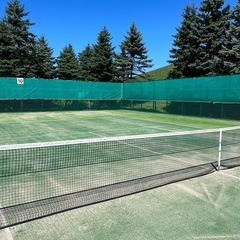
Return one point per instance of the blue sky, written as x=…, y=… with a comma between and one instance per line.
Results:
x=78, y=22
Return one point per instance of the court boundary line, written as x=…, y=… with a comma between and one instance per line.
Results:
x=230, y=175
x=217, y=237
x=110, y=139
x=7, y=229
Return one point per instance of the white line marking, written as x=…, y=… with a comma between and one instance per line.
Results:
x=218, y=237
x=232, y=176
x=142, y=148
x=189, y=190
x=98, y=135
x=108, y=139
x=4, y=221
x=208, y=195
x=57, y=185
x=179, y=160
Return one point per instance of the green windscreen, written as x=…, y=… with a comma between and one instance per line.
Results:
x=11, y=88
x=204, y=89
x=225, y=89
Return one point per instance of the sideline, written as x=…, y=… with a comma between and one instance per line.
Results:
x=6, y=230
x=229, y=175
x=219, y=237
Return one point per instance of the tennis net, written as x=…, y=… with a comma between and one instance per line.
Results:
x=42, y=179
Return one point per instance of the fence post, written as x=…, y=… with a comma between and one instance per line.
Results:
x=219, y=149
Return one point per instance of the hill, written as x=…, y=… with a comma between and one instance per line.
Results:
x=157, y=74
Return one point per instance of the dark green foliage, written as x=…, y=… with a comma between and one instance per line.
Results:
x=17, y=50
x=44, y=60
x=215, y=23
x=103, y=65
x=86, y=62
x=202, y=45
x=186, y=44
x=23, y=55
x=206, y=43
x=231, y=48
x=6, y=63
x=123, y=65
x=133, y=58
x=67, y=64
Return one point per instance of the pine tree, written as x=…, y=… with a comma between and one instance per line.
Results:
x=20, y=48
x=67, y=64
x=186, y=43
x=86, y=62
x=103, y=65
x=215, y=24
x=123, y=65
x=135, y=52
x=6, y=63
x=44, y=60
x=231, y=48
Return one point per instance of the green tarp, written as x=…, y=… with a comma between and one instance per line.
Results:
x=57, y=89
x=204, y=89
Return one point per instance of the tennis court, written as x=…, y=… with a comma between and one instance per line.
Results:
x=199, y=208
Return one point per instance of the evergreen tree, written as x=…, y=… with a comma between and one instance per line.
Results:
x=123, y=66
x=103, y=65
x=67, y=64
x=215, y=24
x=186, y=43
x=6, y=63
x=86, y=62
x=18, y=48
x=44, y=60
x=135, y=52
x=231, y=48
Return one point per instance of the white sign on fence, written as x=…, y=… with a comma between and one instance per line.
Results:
x=20, y=80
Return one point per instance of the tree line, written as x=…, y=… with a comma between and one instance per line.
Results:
x=24, y=54
x=208, y=41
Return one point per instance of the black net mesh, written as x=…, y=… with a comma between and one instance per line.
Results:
x=42, y=179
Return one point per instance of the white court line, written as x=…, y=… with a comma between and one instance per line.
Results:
x=131, y=145
x=7, y=230
x=142, y=148
x=181, y=160
x=193, y=164
x=167, y=156
x=218, y=237
x=159, y=153
x=232, y=176
x=221, y=172
x=98, y=135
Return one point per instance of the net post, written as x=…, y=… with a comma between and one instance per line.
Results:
x=220, y=149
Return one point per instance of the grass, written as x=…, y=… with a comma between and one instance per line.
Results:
x=200, y=208
x=157, y=74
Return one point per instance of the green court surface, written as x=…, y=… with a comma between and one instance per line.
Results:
x=201, y=208
x=52, y=126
